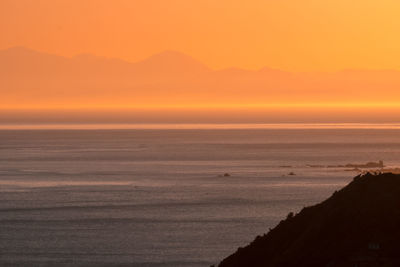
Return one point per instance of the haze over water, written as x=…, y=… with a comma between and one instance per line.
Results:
x=155, y=196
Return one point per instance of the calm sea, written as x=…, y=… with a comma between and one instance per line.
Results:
x=158, y=197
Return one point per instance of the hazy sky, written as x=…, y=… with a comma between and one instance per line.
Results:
x=287, y=34
x=340, y=60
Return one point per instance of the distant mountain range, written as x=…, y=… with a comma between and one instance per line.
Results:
x=31, y=78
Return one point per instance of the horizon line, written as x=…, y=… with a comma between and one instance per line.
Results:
x=205, y=107
x=199, y=126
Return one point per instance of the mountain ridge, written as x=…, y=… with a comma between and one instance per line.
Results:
x=167, y=53
x=33, y=78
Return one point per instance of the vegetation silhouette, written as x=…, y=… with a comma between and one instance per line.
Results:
x=356, y=226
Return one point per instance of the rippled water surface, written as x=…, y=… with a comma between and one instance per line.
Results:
x=153, y=197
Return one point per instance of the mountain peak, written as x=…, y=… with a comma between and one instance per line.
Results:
x=172, y=61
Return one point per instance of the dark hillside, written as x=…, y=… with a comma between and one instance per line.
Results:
x=357, y=226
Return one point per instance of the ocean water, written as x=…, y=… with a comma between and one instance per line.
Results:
x=157, y=197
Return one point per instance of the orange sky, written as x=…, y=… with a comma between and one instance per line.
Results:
x=294, y=35
x=328, y=60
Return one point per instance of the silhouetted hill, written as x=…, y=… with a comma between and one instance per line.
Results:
x=357, y=226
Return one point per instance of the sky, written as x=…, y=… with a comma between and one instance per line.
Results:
x=293, y=35
x=336, y=60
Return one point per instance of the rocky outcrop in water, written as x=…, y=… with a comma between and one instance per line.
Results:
x=378, y=164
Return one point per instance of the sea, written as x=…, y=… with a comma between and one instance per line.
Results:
x=167, y=195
